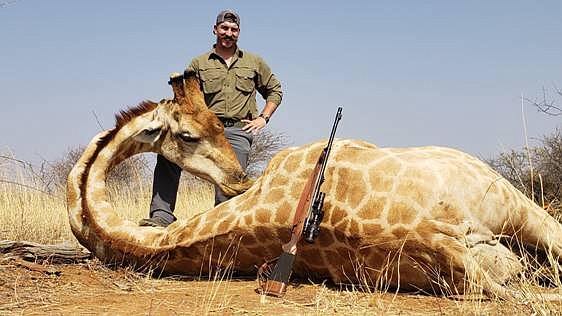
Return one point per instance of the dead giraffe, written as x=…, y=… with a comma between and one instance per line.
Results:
x=413, y=218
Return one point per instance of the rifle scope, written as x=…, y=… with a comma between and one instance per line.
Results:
x=312, y=226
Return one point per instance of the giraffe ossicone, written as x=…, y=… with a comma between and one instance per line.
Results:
x=422, y=218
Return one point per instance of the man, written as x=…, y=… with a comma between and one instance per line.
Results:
x=229, y=80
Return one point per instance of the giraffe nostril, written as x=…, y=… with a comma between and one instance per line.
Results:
x=238, y=177
x=243, y=177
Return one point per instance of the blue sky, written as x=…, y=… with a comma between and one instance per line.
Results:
x=408, y=73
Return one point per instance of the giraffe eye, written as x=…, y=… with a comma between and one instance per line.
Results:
x=188, y=138
x=152, y=131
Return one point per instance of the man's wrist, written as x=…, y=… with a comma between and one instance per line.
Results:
x=265, y=117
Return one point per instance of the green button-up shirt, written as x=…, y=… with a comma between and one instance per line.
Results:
x=230, y=92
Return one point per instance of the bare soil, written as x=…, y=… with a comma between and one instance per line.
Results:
x=92, y=288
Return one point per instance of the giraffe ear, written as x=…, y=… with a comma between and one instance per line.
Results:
x=150, y=134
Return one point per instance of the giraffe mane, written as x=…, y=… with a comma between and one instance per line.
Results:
x=125, y=116
x=121, y=119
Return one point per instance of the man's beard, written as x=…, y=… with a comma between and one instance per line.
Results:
x=227, y=41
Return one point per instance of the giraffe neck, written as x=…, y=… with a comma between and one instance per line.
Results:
x=93, y=220
x=224, y=237
x=244, y=231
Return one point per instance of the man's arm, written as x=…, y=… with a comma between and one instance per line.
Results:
x=270, y=89
x=268, y=110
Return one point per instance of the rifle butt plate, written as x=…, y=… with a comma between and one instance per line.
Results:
x=274, y=288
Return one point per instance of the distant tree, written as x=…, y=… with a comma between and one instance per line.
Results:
x=536, y=171
x=132, y=170
x=266, y=144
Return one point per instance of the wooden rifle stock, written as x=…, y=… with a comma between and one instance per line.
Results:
x=306, y=222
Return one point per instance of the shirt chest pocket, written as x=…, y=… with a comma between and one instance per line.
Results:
x=245, y=79
x=212, y=80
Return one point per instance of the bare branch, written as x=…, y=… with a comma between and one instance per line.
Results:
x=5, y=4
x=98, y=120
x=547, y=105
x=25, y=186
x=25, y=163
x=42, y=175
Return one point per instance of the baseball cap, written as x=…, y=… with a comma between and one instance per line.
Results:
x=228, y=15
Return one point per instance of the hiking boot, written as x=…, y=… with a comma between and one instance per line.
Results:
x=154, y=222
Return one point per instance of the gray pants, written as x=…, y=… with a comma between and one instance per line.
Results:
x=167, y=176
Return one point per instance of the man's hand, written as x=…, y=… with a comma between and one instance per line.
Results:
x=254, y=126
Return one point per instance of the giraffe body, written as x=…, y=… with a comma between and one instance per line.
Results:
x=413, y=218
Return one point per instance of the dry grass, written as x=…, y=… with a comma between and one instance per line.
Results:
x=27, y=210
x=92, y=288
x=31, y=211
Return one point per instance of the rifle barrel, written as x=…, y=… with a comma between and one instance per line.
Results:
x=328, y=148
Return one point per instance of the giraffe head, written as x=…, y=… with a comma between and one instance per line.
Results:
x=185, y=132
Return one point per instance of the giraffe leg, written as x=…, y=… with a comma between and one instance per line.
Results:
x=480, y=267
x=478, y=261
x=490, y=265
x=487, y=255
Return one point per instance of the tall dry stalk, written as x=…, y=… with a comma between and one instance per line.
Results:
x=532, y=173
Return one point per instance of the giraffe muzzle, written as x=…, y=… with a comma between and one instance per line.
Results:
x=236, y=184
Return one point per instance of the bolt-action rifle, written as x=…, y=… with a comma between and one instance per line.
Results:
x=306, y=223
